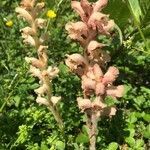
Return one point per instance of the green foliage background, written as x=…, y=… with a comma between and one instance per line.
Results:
x=26, y=125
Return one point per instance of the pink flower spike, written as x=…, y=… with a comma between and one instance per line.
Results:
x=111, y=75
x=115, y=91
x=99, y=5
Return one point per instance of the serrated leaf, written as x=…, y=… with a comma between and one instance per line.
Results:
x=139, y=143
x=82, y=138
x=132, y=118
x=17, y=100
x=113, y=146
x=146, y=117
x=60, y=145
x=44, y=146
x=146, y=132
x=130, y=141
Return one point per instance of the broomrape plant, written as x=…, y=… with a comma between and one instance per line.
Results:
x=90, y=66
x=96, y=80
x=29, y=10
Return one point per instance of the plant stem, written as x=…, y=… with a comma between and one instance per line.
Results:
x=52, y=107
x=92, y=127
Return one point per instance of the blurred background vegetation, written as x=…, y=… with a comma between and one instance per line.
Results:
x=26, y=125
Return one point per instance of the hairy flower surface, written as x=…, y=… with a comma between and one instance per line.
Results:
x=96, y=81
x=77, y=31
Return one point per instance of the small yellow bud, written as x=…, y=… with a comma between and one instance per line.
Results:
x=51, y=14
x=9, y=23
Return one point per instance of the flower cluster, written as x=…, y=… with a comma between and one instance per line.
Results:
x=90, y=66
x=94, y=82
x=29, y=11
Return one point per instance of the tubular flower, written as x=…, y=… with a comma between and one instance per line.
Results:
x=100, y=22
x=28, y=31
x=27, y=4
x=25, y=14
x=77, y=63
x=111, y=75
x=84, y=103
x=41, y=90
x=42, y=101
x=77, y=31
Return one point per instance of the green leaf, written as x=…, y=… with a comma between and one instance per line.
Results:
x=44, y=146
x=63, y=69
x=113, y=146
x=118, y=11
x=60, y=145
x=34, y=86
x=146, y=117
x=110, y=101
x=132, y=118
x=139, y=143
x=17, y=100
x=82, y=138
x=130, y=141
x=146, y=132
x=135, y=9
x=145, y=7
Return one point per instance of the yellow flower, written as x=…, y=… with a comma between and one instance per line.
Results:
x=9, y=23
x=51, y=14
